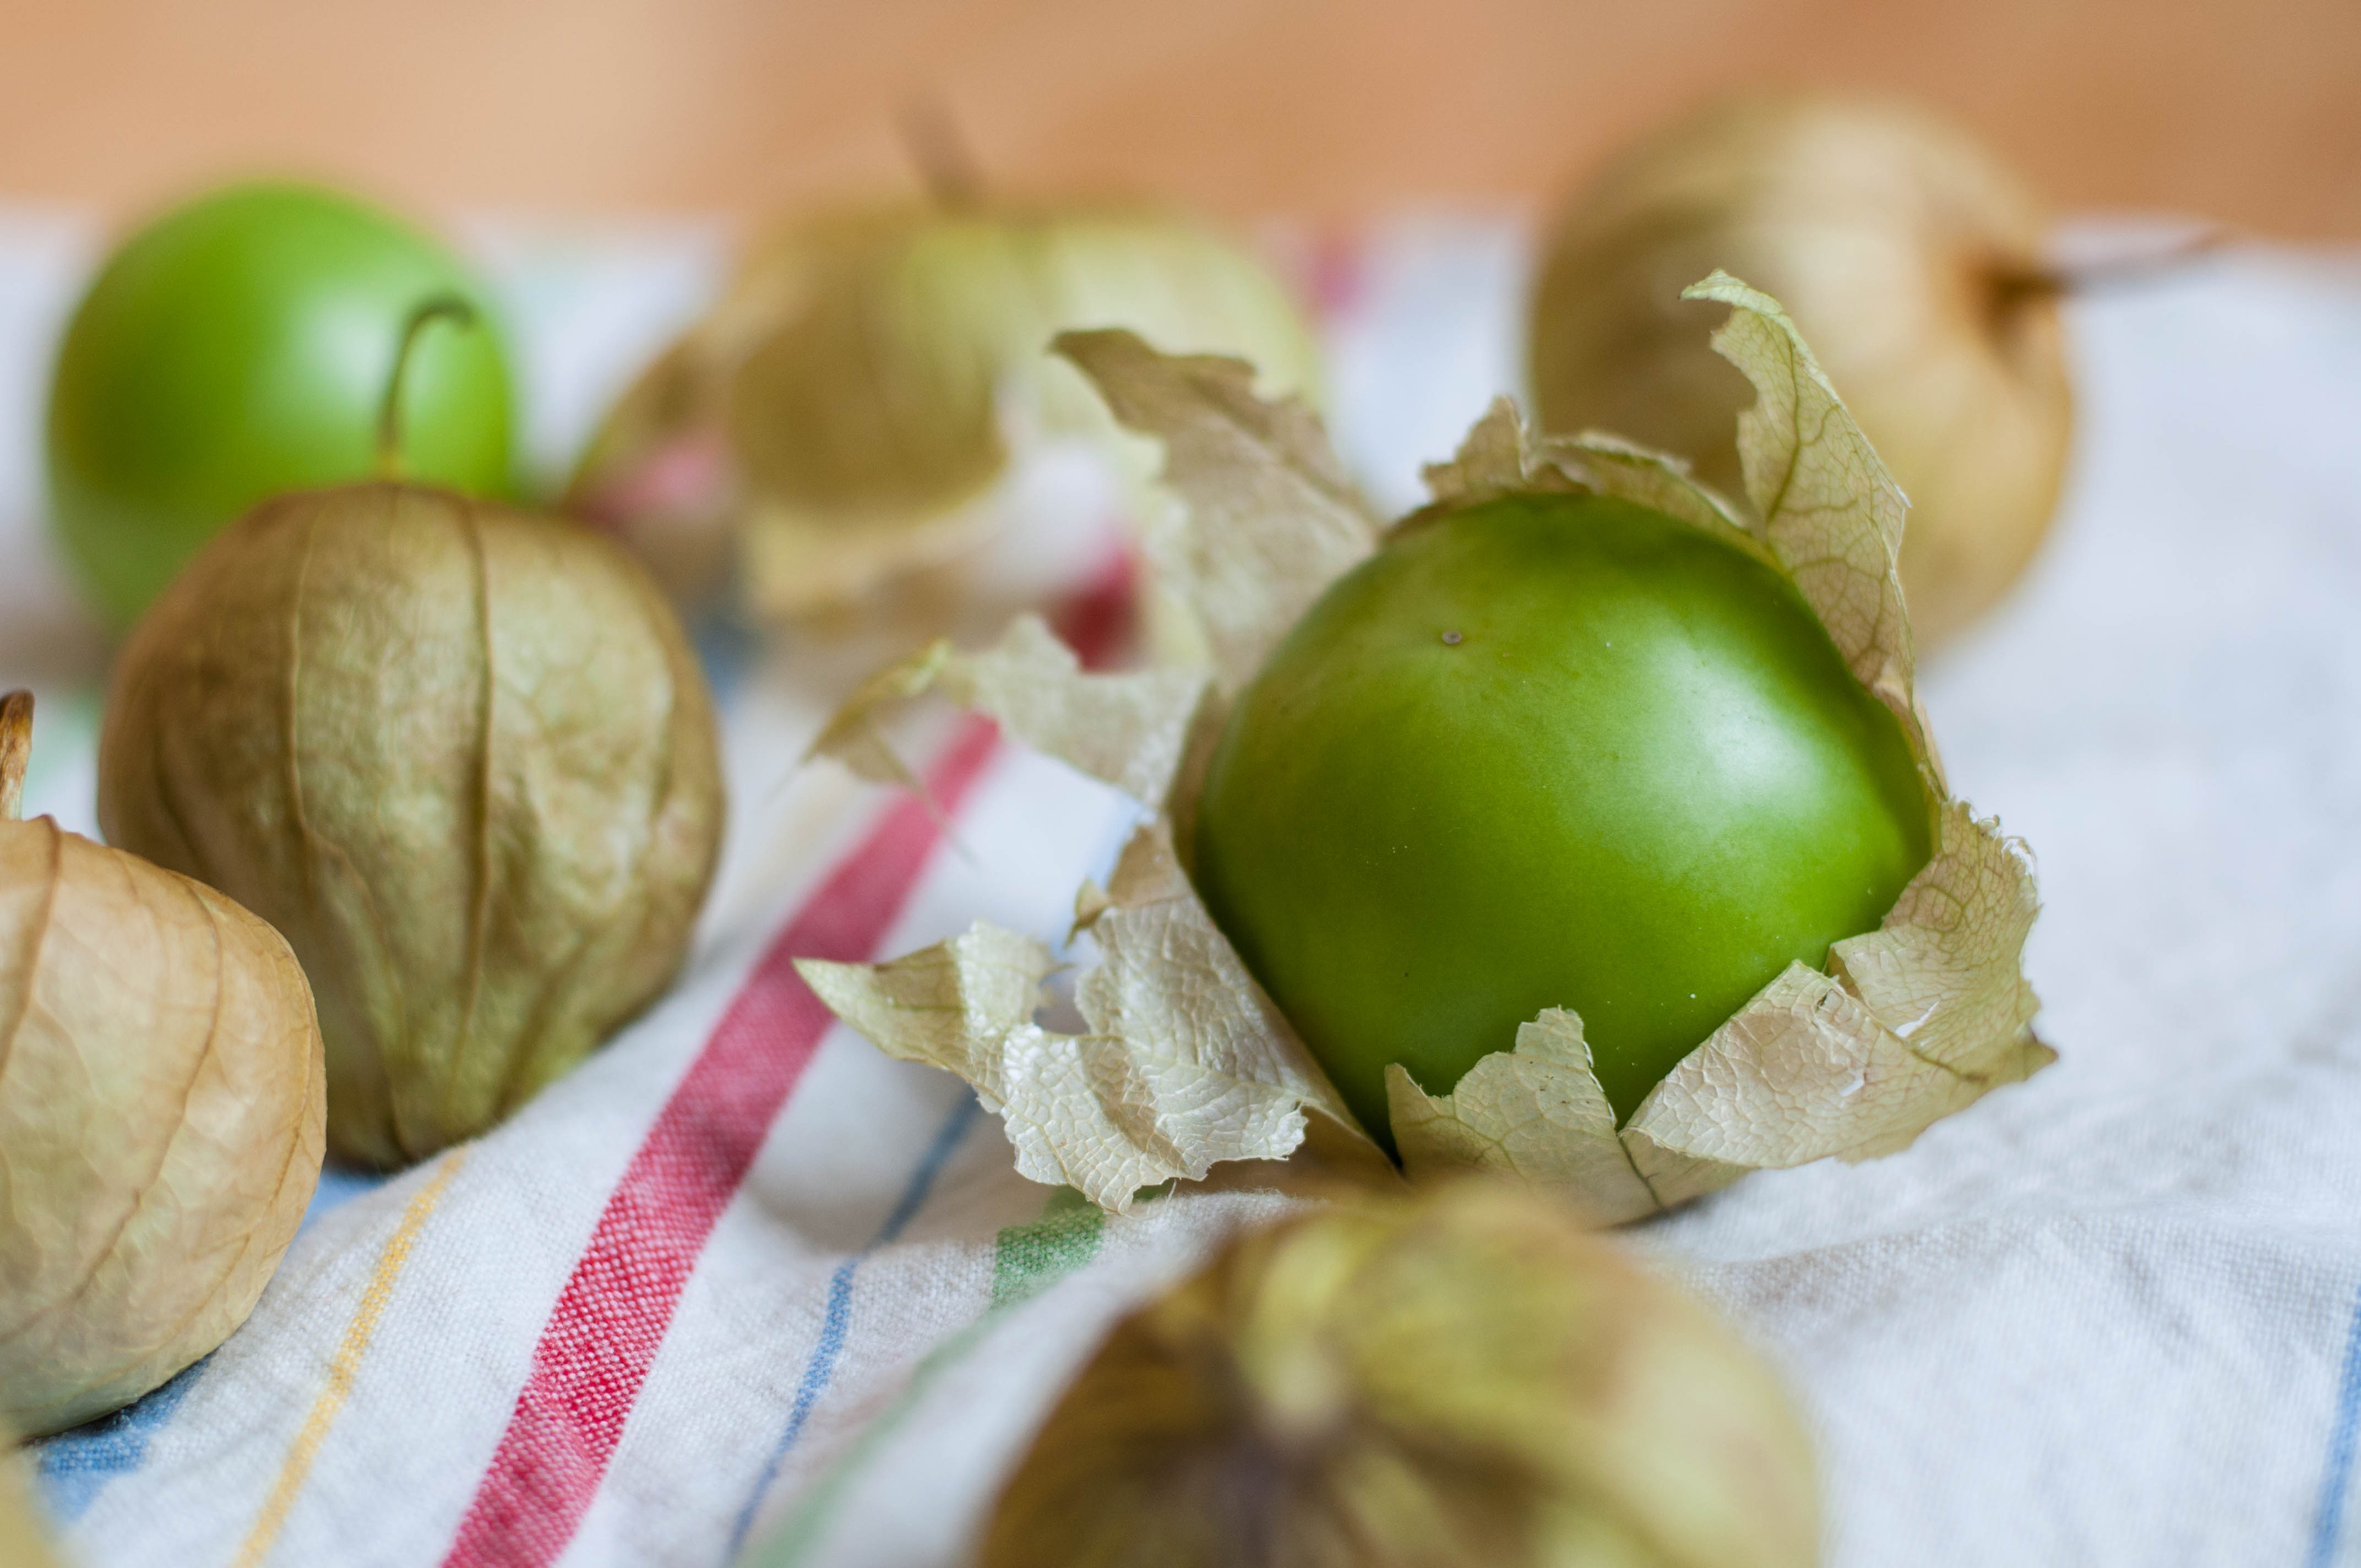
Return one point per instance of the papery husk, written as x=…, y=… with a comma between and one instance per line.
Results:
x=461, y=755
x=1131, y=731
x=1463, y=1378
x=856, y=407
x=161, y=1118
x=1912, y=257
x=1908, y=1024
x=1185, y=1063
x=1233, y=459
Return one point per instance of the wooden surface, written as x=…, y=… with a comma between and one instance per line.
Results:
x=1329, y=109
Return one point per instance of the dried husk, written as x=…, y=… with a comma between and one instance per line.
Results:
x=1185, y=1063
x=1907, y=1024
x=1463, y=1378
x=461, y=755
x=1910, y=256
x=855, y=408
x=160, y=1121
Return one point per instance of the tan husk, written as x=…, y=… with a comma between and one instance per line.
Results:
x=1185, y=1063
x=1128, y=729
x=461, y=755
x=1233, y=460
x=1909, y=253
x=1909, y=1023
x=160, y=1119
x=849, y=412
x=1463, y=1378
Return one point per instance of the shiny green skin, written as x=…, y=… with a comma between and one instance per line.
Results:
x=239, y=347
x=1639, y=786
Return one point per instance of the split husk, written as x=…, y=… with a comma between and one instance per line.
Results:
x=1905, y=1024
x=461, y=755
x=1912, y=257
x=1462, y=1378
x=161, y=1115
x=858, y=405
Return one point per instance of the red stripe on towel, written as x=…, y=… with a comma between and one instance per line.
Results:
x=603, y=1334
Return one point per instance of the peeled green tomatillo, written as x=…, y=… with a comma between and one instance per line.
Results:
x=1549, y=750
x=237, y=348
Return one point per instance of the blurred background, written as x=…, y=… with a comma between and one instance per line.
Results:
x=1317, y=109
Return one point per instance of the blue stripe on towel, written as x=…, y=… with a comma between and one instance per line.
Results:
x=76, y=1464
x=839, y=1317
x=2335, y=1477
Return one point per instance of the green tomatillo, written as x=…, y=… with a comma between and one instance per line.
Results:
x=1549, y=750
x=237, y=348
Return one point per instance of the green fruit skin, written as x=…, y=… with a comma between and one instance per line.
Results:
x=239, y=347
x=1639, y=786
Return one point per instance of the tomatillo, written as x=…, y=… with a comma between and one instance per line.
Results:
x=1549, y=750
x=238, y=347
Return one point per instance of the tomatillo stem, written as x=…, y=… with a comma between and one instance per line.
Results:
x=434, y=308
x=945, y=161
x=2012, y=285
x=15, y=748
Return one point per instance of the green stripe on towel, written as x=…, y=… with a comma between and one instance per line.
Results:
x=1026, y=1260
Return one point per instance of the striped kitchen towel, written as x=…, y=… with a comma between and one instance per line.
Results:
x=742, y=1289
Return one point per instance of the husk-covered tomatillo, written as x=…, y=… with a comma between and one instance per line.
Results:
x=1461, y=1379
x=1906, y=252
x=849, y=411
x=461, y=754
x=160, y=1113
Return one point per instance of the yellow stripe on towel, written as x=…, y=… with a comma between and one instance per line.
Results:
x=297, y=1466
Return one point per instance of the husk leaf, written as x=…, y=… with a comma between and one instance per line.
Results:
x=1909, y=1023
x=1827, y=509
x=1535, y=1112
x=1503, y=455
x=1129, y=730
x=1185, y=1063
x=1269, y=517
